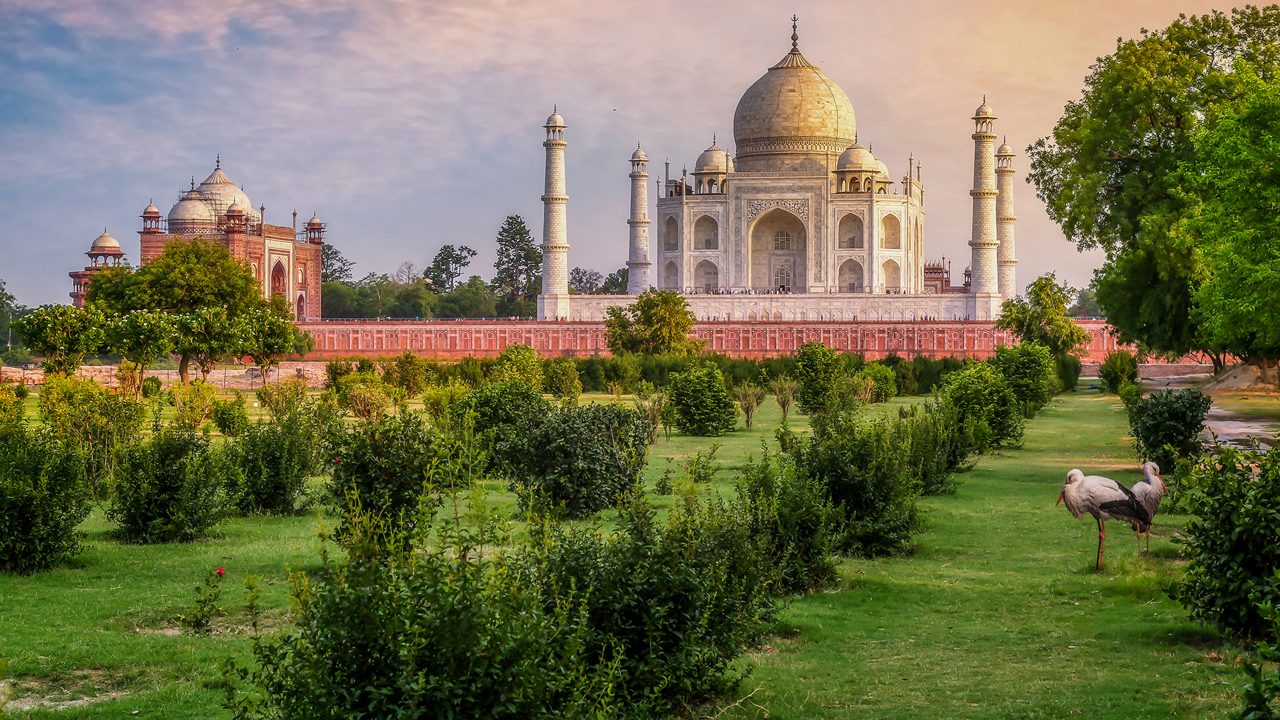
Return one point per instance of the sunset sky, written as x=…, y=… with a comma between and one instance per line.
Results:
x=414, y=124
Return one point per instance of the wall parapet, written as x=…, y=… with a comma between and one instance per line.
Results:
x=454, y=339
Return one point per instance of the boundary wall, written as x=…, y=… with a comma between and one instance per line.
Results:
x=456, y=339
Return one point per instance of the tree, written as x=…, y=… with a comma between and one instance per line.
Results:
x=1237, y=225
x=333, y=266
x=10, y=310
x=1086, y=304
x=584, y=281
x=63, y=335
x=1108, y=173
x=207, y=336
x=615, y=283
x=471, y=299
x=1042, y=317
x=141, y=337
x=270, y=335
x=518, y=270
x=186, y=278
x=657, y=323
x=447, y=267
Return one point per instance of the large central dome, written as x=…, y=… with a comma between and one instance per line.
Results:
x=793, y=119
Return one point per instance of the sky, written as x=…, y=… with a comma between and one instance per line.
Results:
x=409, y=125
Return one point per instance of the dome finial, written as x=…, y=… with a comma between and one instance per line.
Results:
x=713, y=138
x=217, y=163
x=794, y=36
x=193, y=182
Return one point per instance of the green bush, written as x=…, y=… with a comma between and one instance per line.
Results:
x=940, y=445
x=169, y=488
x=192, y=404
x=1130, y=396
x=560, y=379
x=1166, y=425
x=1233, y=543
x=364, y=395
x=1069, y=369
x=985, y=404
x=151, y=387
x=883, y=383
x=793, y=512
x=506, y=403
x=97, y=423
x=407, y=372
x=389, y=630
x=671, y=605
x=387, y=467
x=576, y=460
x=271, y=462
x=334, y=371
x=904, y=378
x=43, y=498
x=518, y=362
x=231, y=416
x=12, y=409
x=700, y=402
x=1031, y=373
x=817, y=367
x=865, y=466
x=1118, y=367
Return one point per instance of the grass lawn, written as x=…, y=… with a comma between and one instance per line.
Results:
x=997, y=613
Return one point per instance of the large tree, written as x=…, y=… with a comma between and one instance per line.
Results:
x=447, y=267
x=471, y=299
x=1108, y=173
x=1042, y=317
x=62, y=335
x=270, y=335
x=334, y=267
x=657, y=323
x=518, y=270
x=585, y=281
x=186, y=278
x=1236, y=175
x=615, y=283
x=141, y=337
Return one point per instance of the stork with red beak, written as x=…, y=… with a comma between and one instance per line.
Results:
x=1104, y=499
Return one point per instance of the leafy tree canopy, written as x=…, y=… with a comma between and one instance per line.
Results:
x=186, y=277
x=615, y=283
x=63, y=335
x=1108, y=173
x=585, y=281
x=447, y=267
x=334, y=267
x=657, y=323
x=518, y=270
x=1042, y=317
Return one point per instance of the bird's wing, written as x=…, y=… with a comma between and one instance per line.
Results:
x=1126, y=508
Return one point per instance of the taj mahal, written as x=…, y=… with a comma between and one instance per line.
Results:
x=801, y=222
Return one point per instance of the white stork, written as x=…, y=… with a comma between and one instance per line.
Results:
x=1148, y=492
x=1104, y=499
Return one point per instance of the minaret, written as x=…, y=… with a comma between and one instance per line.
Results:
x=553, y=303
x=1006, y=259
x=638, y=258
x=983, y=240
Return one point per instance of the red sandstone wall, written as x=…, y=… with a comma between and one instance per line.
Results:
x=446, y=339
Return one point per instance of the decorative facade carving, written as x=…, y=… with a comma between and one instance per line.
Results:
x=796, y=206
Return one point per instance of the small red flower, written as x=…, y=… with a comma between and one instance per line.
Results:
x=337, y=460
x=221, y=572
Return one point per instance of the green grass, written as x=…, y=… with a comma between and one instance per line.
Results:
x=996, y=614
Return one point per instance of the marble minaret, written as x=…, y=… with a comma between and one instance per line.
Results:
x=553, y=303
x=638, y=265
x=983, y=240
x=1006, y=259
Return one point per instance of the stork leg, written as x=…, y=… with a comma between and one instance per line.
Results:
x=1147, y=552
x=1102, y=535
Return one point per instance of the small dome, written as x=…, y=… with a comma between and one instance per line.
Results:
x=220, y=192
x=190, y=210
x=984, y=111
x=882, y=169
x=639, y=156
x=104, y=242
x=712, y=160
x=315, y=220
x=1005, y=150
x=150, y=210
x=857, y=157
x=554, y=120
x=235, y=209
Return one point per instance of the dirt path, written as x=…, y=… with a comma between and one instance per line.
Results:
x=1231, y=428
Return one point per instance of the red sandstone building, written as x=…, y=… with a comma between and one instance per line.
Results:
x=285, y=260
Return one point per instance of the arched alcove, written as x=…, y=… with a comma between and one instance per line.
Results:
x=279, y=279
x=891, y=233
x=706, y=233
x=778, y=244
x=671, y=235
x=851, y=276
x=851, y=232
x=671, y=276
x=706, y=276
x=892, y=275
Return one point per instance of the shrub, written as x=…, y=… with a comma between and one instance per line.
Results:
x=1166, y=425
x=1233, y=543
x=1130, y=396
x=169, y=488
x=985, y=403
x=904, y=378
x=817, y=368
x=702, y=467
x=231, y=416
x=670, y=604
x=793, y=512
x=387, y=466
x=653, y=406
x=407, y=372
x=271, y=462
x=1031, y=373
x=748, y=397
x=939, y=446
x=99, y=424
x=882, y=381
x=577, y=460
x=334, y=371
x=1069, y=369
x=363, y=395
x=850, y=392
x=506, y=403
x=700, y=402
x=43, y=498
x=192, y=404
x=560, y=378
x=284, y=398
x=865, y=466
x=12, y=412
x=445, y=631
x=784, y=392
x=151, y=387
x=1118, y=367
x=519, y=362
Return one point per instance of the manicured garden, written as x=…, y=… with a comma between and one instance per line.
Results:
x=996, y=612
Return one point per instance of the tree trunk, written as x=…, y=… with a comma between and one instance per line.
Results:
x=184, y=368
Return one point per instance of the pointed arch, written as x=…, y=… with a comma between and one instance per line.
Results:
x=279, y=279
x=706, y=233
x=890, y=232
x=892, y=274
x=706, y=276
x=851, y=276
x=851, y=232
x=671, y=276
x=670, y=234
